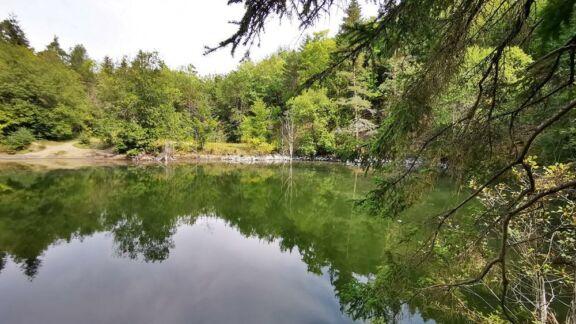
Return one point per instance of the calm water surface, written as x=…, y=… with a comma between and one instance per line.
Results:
x=184, y=244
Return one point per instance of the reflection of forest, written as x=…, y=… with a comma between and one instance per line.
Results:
x=308, y=208
x=142, y=206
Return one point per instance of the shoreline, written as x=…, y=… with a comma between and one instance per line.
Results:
x=61, y=162
x=69, y=155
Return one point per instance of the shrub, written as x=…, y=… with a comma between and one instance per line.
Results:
x=20, y=139
x=132, y=136
x=85, y=139
x=264, y=148
x=188, y=146
x=306, y=146
x=132, y=153
x=125, y=136
x=346, y=147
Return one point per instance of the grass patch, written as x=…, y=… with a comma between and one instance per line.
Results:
x=33, y=147
x=237, y=149
x=186, y=147
x=221, y=148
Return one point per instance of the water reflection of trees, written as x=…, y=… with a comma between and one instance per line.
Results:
x=305, y=208
x=141, y=207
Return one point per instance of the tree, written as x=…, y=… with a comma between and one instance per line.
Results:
x=312, y=112
x=193, y=100
x=503, y=123
x=358, y=95
x=39, y=94
x=255, y=127
x=356, y=124
x=11, y=32
x=138, y=104
x=55, y=50
x=288, y=133
x=107, y=66
x=82, y=64
x=145, y=106
x=291, y=74
x=352, y=15
x=232, y=96
x=543, y=267
x=315, y=55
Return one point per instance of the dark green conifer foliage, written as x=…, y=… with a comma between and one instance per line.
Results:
x=11, y=32
x=54, y=50
x=353, y=14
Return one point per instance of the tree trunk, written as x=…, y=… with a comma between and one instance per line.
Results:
x=541, y=301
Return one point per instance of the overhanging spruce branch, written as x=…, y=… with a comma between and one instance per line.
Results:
x=570, y=46
x=501, y=259
x=518, y=161
x=493, y=59
x=258, y=12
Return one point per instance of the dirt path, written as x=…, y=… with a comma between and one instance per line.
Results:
x=62, y=150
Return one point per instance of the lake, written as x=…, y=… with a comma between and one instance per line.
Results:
x=205, y=243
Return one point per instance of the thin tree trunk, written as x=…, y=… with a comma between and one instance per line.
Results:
x=541, y=302
x=355, y=107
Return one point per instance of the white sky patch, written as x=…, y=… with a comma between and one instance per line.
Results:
x=178, y=29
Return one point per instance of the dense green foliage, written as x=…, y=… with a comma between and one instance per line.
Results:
x=139, y=104
x=20, y=139
x=41, y=93
x=480, y=91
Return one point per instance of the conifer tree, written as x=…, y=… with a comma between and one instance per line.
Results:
x=11, y=32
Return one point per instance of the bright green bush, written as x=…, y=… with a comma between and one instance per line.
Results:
x=20, y=139
x=132, y=136
x=265, y=148
x=125, y=136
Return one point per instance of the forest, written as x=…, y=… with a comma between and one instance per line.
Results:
x=138, y=104
x=481, y=92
